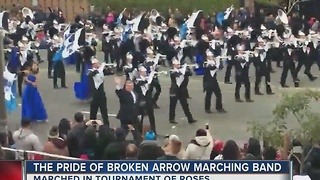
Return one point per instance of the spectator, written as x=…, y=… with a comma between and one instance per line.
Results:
x=167, y=141
x=150, y=149
x=76, y=135
x=64, y=128
x=106, y=136
x=117, y=150
x=91, y=138
x=200, y=147
x=172, y=149
x=217, y=149
x=4, y=142
x=270, y=153
x=131, y=152
x=230, y=151
x=254, y=150
x=25, y=139
x=55, y=145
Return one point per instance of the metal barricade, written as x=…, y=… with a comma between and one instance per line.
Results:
x=35, y=155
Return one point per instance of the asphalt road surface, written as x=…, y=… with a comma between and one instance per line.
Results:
x=61, y=103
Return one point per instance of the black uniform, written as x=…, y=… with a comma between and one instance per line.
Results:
x=242, y=77
x=99, y=99
x=288, y=64
x=263, y=69
x=231, y=46
x=178, y=91
x=144, y=90
x=51, y=51
x=306, y=56
x=210, y=86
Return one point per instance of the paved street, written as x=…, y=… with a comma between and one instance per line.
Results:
x=61, y=103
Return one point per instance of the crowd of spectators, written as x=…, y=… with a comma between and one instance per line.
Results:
x=91, y=140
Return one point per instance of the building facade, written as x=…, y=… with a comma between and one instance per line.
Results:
x=70, y=8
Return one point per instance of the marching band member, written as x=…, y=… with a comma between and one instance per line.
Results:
x=106, y=46
x=202, y=47
x=151, y=63
x=242, y=74
x=58, y=67
x=262, y=67
x=24, y=63
x=288, y=64
x=144, y=89
x=99, y=99
x=128, y=68
x=210, y=83
x=232, y=42
x=53, y=48
x=178, y=91
x=306, y=56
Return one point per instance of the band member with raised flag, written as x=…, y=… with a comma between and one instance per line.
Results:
x=178, y=91
x=99, y=99
x=211, y=84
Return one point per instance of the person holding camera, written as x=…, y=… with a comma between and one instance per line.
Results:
x=99, y=99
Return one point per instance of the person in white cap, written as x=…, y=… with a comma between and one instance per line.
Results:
x=211, y=84
x=144, y=89
x=262, y=67
x=288, y=64
x=128, y=68
x=178, y=91
x=306, y=57
x=242, y=75
x=99, y=99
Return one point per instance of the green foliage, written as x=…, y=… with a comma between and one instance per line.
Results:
x=296, y=105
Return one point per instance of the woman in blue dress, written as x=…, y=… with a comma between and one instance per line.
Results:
x=83, y=89
x=32, y=105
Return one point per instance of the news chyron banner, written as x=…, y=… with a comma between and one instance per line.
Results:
x=157, y=170
x=11, y=170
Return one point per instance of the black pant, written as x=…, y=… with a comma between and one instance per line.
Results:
x=156, y=95
x=307, y=65
x=288, y=65
x=239, y=81
x=20, y=83
x=38, y=56
x=231, y=63
x=184, y=103
x=259, y=74
x=106, y=56
x=79, y=62
x=50, y=68
x=99, y=100
x=59, y=72
x=136, y=133
x=217, y=92
x=149, y=110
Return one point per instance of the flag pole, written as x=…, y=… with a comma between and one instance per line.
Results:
x=3, y=111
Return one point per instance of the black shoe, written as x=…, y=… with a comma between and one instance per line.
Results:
x=258, y=93
x=208, y=111
x=270, y=93
x=249, y=100
x=41, y=61
x=239, y=100
x=64, y=87
x=227, y=82
x=155, y=106
x=313, y=78
x=221, y=110
x=296, y=84
x=56, y=87
x=284, y=86
x=173, y=121
x=50, y=77
x=189, y=97
x=272, y=71
x=192, y=121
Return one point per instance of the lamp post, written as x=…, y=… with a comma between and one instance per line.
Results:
x=3, y=112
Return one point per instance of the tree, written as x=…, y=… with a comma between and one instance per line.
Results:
x=292, y=106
